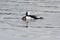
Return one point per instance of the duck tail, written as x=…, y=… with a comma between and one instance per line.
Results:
x=40, y=18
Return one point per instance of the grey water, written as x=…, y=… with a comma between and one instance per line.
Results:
x=13, y=28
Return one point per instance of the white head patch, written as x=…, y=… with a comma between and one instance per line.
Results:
x=28, y=13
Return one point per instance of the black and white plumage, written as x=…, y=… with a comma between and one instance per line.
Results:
x=28, y=17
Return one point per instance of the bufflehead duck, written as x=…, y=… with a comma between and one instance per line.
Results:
x=28, y=17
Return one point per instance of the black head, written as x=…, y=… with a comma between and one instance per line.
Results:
x=26, y=13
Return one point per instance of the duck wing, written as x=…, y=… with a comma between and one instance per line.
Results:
x=33, y=16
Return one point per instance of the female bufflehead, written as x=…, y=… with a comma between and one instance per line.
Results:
x=28, y=17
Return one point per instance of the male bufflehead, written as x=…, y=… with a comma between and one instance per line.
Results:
x=28, y=17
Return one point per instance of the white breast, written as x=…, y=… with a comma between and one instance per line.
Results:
x=28, y=18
